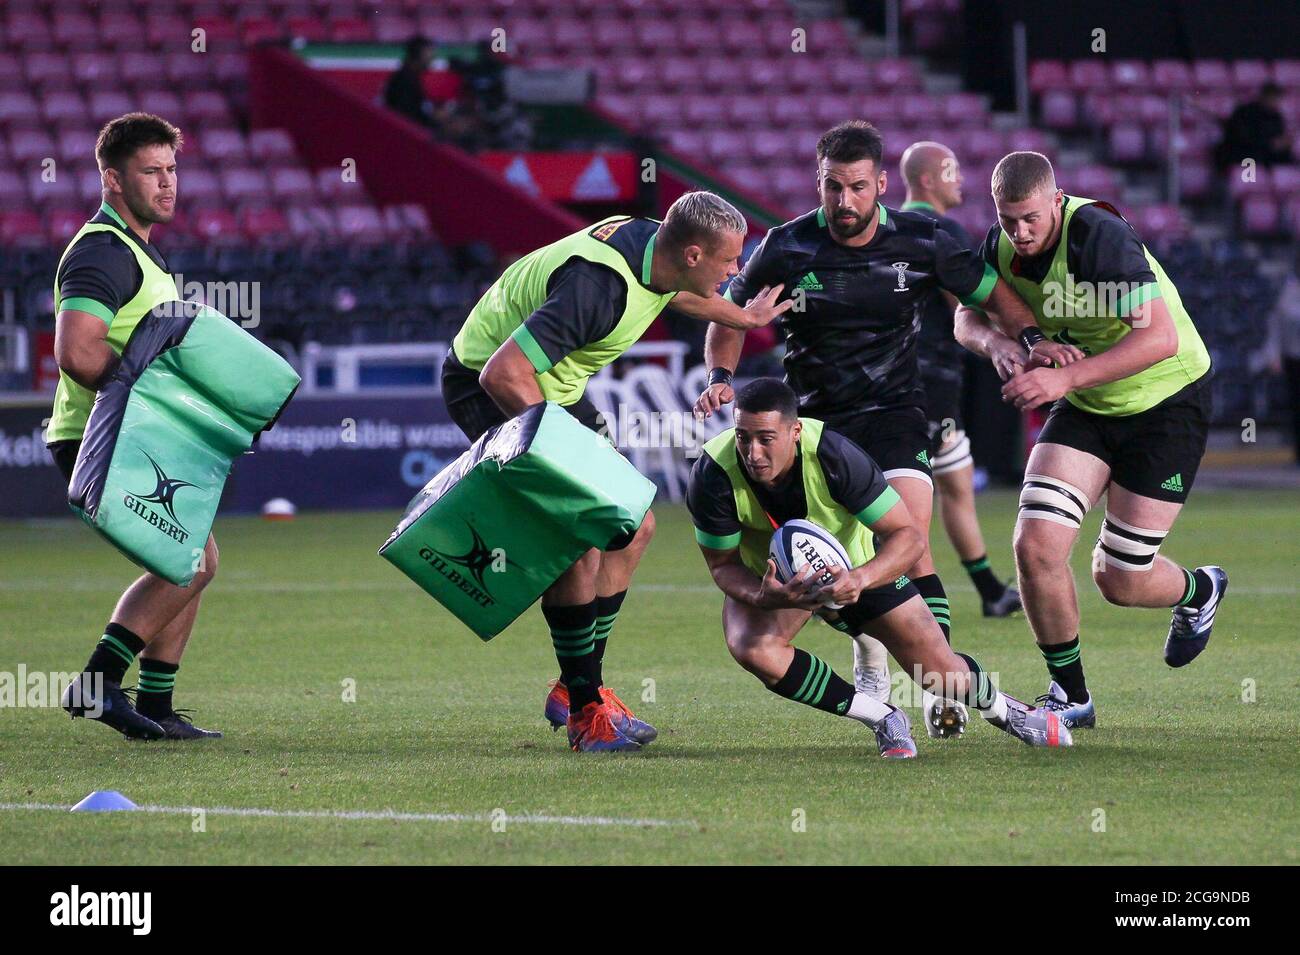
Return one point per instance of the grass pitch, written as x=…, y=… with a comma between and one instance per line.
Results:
x=1181, y=769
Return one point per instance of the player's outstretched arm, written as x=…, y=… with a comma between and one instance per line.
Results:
x=81, y=347
x=976, y=333
x=739, y=583
x=1016, y=320
x=1153, y=339
x=510, y=378
x=759, y=311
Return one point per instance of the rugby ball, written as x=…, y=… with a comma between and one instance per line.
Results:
x=798, y=544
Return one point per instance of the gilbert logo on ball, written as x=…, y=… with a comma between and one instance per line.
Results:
x=800, y=544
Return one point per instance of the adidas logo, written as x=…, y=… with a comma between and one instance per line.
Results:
x=810, y=282
x=923, y=458
x=901, y=582
x=841, y=707
x=1174, y=484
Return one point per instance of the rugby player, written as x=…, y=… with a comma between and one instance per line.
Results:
x=775, y=466
x=858, y=272
x=1130, y=417
x=933, y=178
x=552, y=320
x=109, y=278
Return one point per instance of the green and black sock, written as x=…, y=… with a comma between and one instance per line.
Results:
x=606, y=613
x=811, y=681
x=573, y=632
x=981, y=575
x=154, y=693
x=115, y=652
x=1065, y=664
x=936, y=599
x=981, y=692
x=1199, y=588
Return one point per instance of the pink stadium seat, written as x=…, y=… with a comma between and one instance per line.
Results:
x=222, y=146
x=700, y=34
x=920, y=109
x=189, y=71
x=40, y=67
x=76, y=144
x=197, y=187
x=28, y=31
x=90, y=186
x=120, y=30
x=763, y=74
x=778, y=35
x=1096, y=182
x=244, y=185
x=705, y=113
x=264, y=225
x=723, y=145
x=722, y=75
x=1239, y=188
x=310, y=29
x=162, y=102
x=895, y=75
x=1047, y=75
x=1126, y=143
x=1211, y=75
x=30, y=146
x=964, y=109
x=768, y=146
x=393, y=27
x=1028, y=138
x=805, y=73
x=331, y=187
x=96, y=68
x=803, y=144
x=219, y=30
x=75, y=31
x=11, y=70
x=1249, y=75
x=1195, y=179
x=741, y=36
x=62, y=224
x=360, y=223
x=1286, y=180
x=21, y=227
x=569, y=35
x=168, y=33
x=229, y=68
x=109, y=104
x=407, y=219
x=136, y=67
x=677, y=73
x=1292, y=215
x=292, y=184
x=13, y=190
x=215, y=224
x=660, y=111
x=349, y=30
x=1130, y=75
x=850, y=74
x=1088, y=75
x=67, y=107
x=752, y=179
x=622, y=107
x=208, y=107
x=526, y=37
x=1286, y=73
x=746, y=111
x=62, y=190
x=983, y=144
x=271, y=145
x=312, y=222
x=1260, y=215
x=255, y=30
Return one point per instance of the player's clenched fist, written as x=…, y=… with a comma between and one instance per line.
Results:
x=1036, y=387
x=712, y=399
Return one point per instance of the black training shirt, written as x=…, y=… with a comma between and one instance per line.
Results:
x=584, y=299
x=852, y=477
x=853, y=346
x=99, y=267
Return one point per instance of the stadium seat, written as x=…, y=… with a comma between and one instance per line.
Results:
x=65, y=107
x=215, y=224
x=244, y=185
x=271, y=145
x=21, y=228
x=264, y=225
x=13, y=191
x=62, y=224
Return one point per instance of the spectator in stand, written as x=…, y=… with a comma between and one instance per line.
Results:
x=1283, y=346
x=1256, y=130
x=404, y=91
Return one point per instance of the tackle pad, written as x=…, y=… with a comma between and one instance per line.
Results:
x=501, y=523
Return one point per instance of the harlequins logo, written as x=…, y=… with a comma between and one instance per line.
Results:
x=478, y=559
x=810, y=283
x=1174, y=483
x=901, y=269
x=163, y=494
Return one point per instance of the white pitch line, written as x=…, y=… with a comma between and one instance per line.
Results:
x=384, y=815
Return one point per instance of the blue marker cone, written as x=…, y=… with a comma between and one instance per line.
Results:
x=104, y=800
